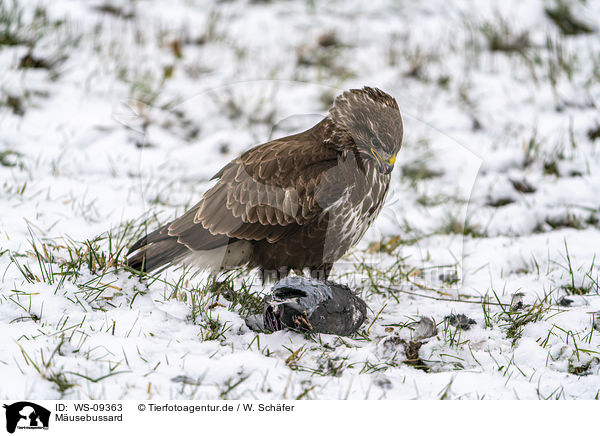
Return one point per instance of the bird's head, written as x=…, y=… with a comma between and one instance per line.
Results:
x=372, y=118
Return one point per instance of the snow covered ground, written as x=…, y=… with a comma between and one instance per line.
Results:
x=114, y=115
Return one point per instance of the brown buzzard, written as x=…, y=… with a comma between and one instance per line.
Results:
x=293, y=203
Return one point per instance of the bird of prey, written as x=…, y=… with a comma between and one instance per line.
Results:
x=294, y=203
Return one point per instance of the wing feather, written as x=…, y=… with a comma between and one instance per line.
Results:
x=266, y=193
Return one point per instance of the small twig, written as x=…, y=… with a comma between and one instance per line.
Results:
x=431, y=297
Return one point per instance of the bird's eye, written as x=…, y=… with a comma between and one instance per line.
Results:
x=375, y=142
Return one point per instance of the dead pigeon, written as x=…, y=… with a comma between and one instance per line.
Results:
x=307, y=304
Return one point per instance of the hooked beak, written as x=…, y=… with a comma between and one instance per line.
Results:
x=385, y=166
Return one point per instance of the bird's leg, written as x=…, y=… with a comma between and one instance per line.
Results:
x=322, y=272
x=261, y=275
x=282, y=273
x=273, y=275
x=268, y=276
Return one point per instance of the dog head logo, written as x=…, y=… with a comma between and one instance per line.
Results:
x=26, y=415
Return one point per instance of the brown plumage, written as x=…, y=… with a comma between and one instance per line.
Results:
x=293, y=203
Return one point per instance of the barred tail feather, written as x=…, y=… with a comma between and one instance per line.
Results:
x=157, y=254
x=159, y=249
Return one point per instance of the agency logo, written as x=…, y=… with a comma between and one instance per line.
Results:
x=26, y=415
